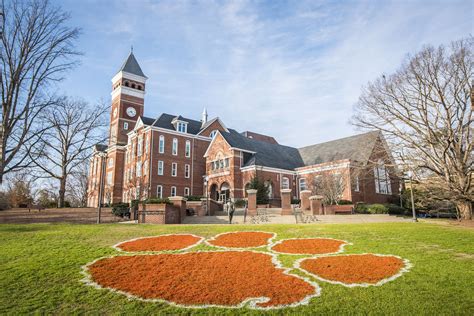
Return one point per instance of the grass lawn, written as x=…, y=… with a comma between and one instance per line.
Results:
x=40, y=268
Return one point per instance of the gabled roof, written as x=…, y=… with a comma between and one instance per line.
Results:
x=165, y=121
x=208, y=123
x=131, y=66
x=265, y=154
x=356, y=148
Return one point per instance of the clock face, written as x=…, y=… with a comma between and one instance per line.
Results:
x=131, y=112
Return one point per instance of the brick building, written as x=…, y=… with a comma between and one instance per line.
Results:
x=176, y=156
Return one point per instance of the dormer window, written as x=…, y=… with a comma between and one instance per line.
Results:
x=182, y=127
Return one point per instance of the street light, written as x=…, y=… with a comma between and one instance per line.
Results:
x=206, y=179
x=101, y=184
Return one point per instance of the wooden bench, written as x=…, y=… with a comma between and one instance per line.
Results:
x=35, y=206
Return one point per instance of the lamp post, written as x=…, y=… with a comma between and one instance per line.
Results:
x=206, y=179
x=410, y=175
x=103, y=157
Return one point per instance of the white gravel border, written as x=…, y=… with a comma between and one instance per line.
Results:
x=341, y=247
x=270, y=240
x=117, y=246
x=407, y=266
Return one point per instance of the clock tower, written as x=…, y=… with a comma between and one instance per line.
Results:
x=128, y=96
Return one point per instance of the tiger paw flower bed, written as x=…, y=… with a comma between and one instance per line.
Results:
x=232, y=275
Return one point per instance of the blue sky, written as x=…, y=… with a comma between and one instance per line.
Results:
x=291, y=69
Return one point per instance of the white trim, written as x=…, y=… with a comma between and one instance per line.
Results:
x=244, y=150
x=127, y=91
x=268, y=169
x=220, y=174
x=341, y=247
x=212, y=142
x=175, y=191
x=269, y=241
x=407, y=266
x=209, y=123
x=174, y=132
x=127, y=75
x=323, y=168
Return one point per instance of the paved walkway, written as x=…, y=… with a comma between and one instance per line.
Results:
x=290, y=219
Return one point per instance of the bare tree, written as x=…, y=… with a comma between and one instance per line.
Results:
x=75, y=128
x=425, y=110
x=76, y=190
x=37, y=47
x=330, y=185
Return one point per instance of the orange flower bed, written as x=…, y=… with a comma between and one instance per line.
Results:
x=241, y=239
x=354, y=269
x=310, y=246
x=160, y=243
x=202, y=278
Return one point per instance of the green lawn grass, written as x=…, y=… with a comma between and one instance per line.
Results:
x=40, y=269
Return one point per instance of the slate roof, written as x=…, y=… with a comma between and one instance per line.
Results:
x=356, y=148
x=131, y=66
x=164, y=121
x=147, y=120
x=100, y=147
x=268, y=155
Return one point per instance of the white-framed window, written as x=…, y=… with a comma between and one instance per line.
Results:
x=139, y=145
x=159, y=191
x=173, y=191
x=302, y=184
x=125, y=126
x=161, y=146
x=161, y=167
x=109, y=178
x=356, y=184
x=188, y=149
x=221, y=163
x=382, y=179
x=213, y=133
x=186, y=191
x=182, y=127
x=139, y=168
x=174, y=169
x=226, y=163
x=111, y=162
x=285, y=183
x=187, y=169
x=174, y=150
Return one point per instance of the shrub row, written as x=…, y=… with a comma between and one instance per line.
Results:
x=393, y=209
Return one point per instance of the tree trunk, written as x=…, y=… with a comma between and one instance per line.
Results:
x=464, y=209
x=62, y=192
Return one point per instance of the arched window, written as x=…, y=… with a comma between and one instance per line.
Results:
x=126, y=83
x=139, y=87
x=133, y=86
x=213, y=133
x=382, y=179
x=285, y=183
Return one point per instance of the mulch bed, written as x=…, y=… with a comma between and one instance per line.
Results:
x=241, y=239
x=353, y=269
x=160, y=243
x=224, y=278
x=310, y=246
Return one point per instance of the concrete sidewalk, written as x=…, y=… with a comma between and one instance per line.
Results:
x=290, y=219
